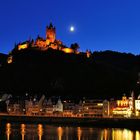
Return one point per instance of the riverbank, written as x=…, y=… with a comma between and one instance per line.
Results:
x=80, y=121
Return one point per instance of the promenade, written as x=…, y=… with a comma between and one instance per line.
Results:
x=87, y=121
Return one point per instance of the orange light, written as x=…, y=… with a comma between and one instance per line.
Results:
x=54, y=46
x=40, y=131
x=10, y=60
x=47, y=41
x=23, y=131
x=60, y=133
x=88, y=53
x=23, y=46
x=79, y=133
x=67, y=50
x=8, y=130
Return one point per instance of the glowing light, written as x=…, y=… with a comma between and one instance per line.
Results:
x=23, y=46
x=40, y=131
x=23, y=131
x=8, y=130
x=99, y=104
x=79, y=133
x=10, y=59
x=72, y=29
x=60, y=133
x=67, y=50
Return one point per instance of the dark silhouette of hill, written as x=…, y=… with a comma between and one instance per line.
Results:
x=104, y=75
x=3, y=58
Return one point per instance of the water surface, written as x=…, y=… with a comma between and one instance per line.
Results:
x=52, y=132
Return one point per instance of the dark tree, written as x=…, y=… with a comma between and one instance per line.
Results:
x=75, y=47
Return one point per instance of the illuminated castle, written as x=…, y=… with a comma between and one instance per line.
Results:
x=49, y=42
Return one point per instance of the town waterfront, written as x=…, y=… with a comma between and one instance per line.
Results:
x=20, y=131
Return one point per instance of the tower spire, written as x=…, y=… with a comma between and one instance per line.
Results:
x=50, y=34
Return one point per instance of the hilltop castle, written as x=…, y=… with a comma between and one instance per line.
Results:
x=49, y=42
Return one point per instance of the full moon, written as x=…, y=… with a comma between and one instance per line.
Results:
x=72, y=29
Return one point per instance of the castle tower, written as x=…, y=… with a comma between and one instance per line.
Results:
x=50, y=34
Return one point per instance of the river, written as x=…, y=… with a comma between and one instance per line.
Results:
x=56, y=132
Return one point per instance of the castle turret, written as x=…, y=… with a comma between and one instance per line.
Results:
x=50, y=34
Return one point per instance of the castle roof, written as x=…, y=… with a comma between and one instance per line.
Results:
x=40, y=38
x=50, y=26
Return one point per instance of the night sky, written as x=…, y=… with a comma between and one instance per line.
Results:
x=99, y=24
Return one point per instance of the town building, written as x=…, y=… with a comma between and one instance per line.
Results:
x=58, y=108
x=14, y=109
x=125, y=107
x=106, y=108
x=49, y=107
x=137, y=106
x=69, y=108
x=34, y=107
x=92, y=108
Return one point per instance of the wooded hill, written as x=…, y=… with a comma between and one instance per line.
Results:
x=105, y=74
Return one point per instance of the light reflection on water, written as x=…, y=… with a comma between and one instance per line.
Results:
x=52, y=132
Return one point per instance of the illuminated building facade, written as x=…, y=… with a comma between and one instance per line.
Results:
x=125, y=107
x=88, y=53
x=14, y=109
x=49, y=107
x=137, y=106
x=10, y=59
x=92, y=108
x=124, y=102
x=68, y=109
x=58, y=107
x=24, y=45
x=50, y=34
x=106, y=108
x=33, y=107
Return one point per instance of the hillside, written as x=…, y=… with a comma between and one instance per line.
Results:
x=104, y=75
x=3, y=58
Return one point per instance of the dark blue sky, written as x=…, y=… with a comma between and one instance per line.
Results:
x=100, y=24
